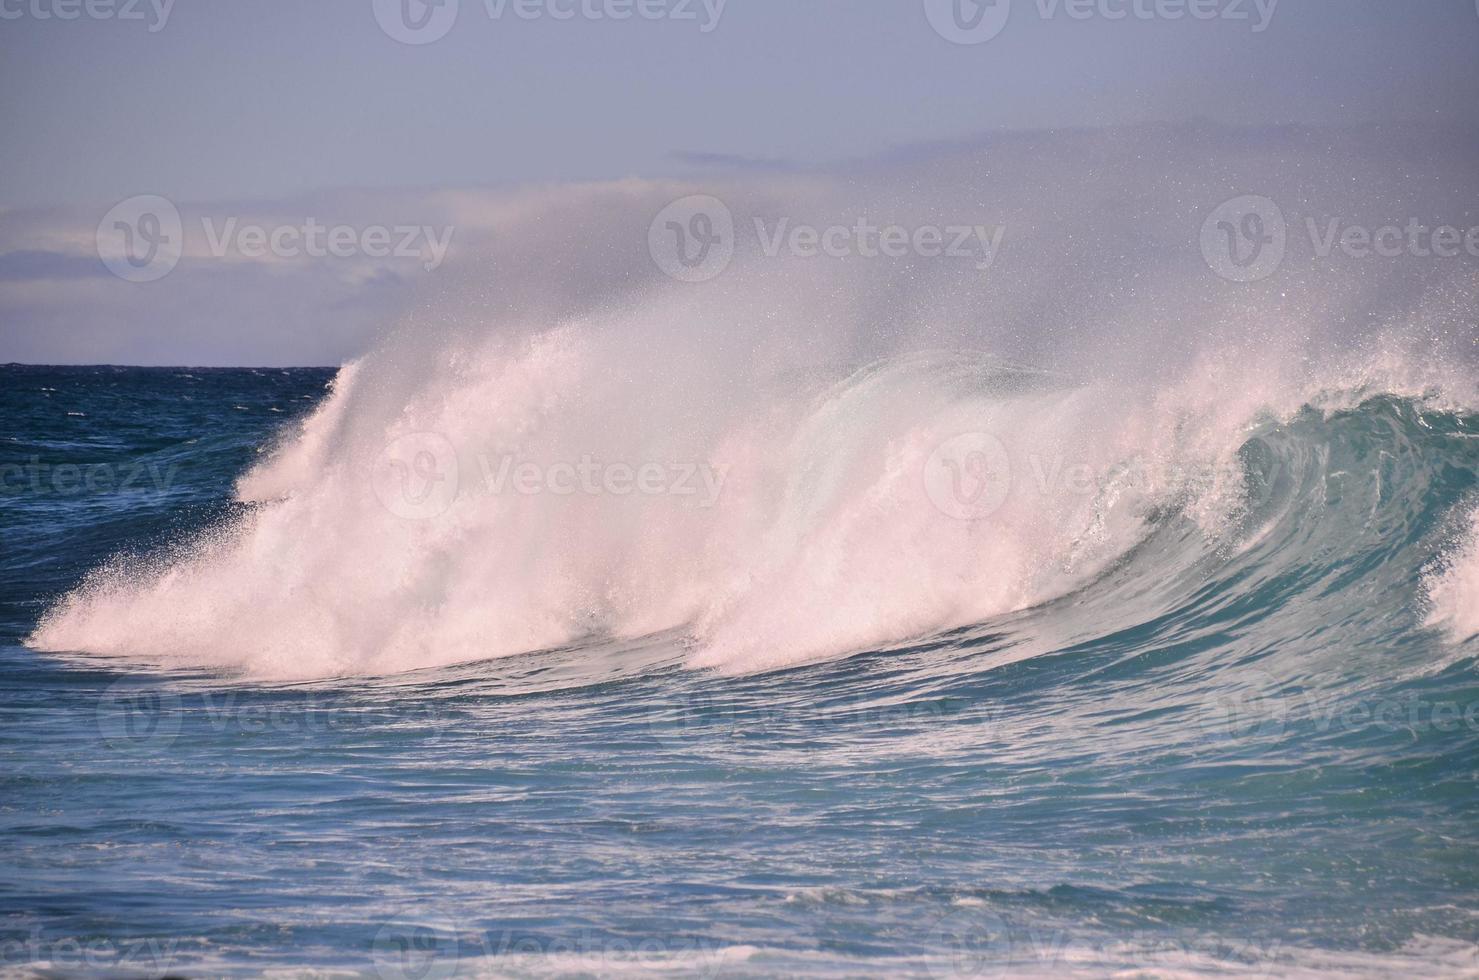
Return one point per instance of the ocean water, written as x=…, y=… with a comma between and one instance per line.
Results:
x=289, y=682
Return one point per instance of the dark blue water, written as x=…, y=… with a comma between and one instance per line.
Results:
x=1271, y=770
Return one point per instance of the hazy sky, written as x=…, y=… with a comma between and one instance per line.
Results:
x=214, y=100
x=452, y=129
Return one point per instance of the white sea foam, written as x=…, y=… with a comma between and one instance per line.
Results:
x=1453, y=586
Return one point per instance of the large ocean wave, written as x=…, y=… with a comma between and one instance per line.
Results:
x=805, y=458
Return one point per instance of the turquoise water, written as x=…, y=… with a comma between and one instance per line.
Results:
x=1257, y=759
